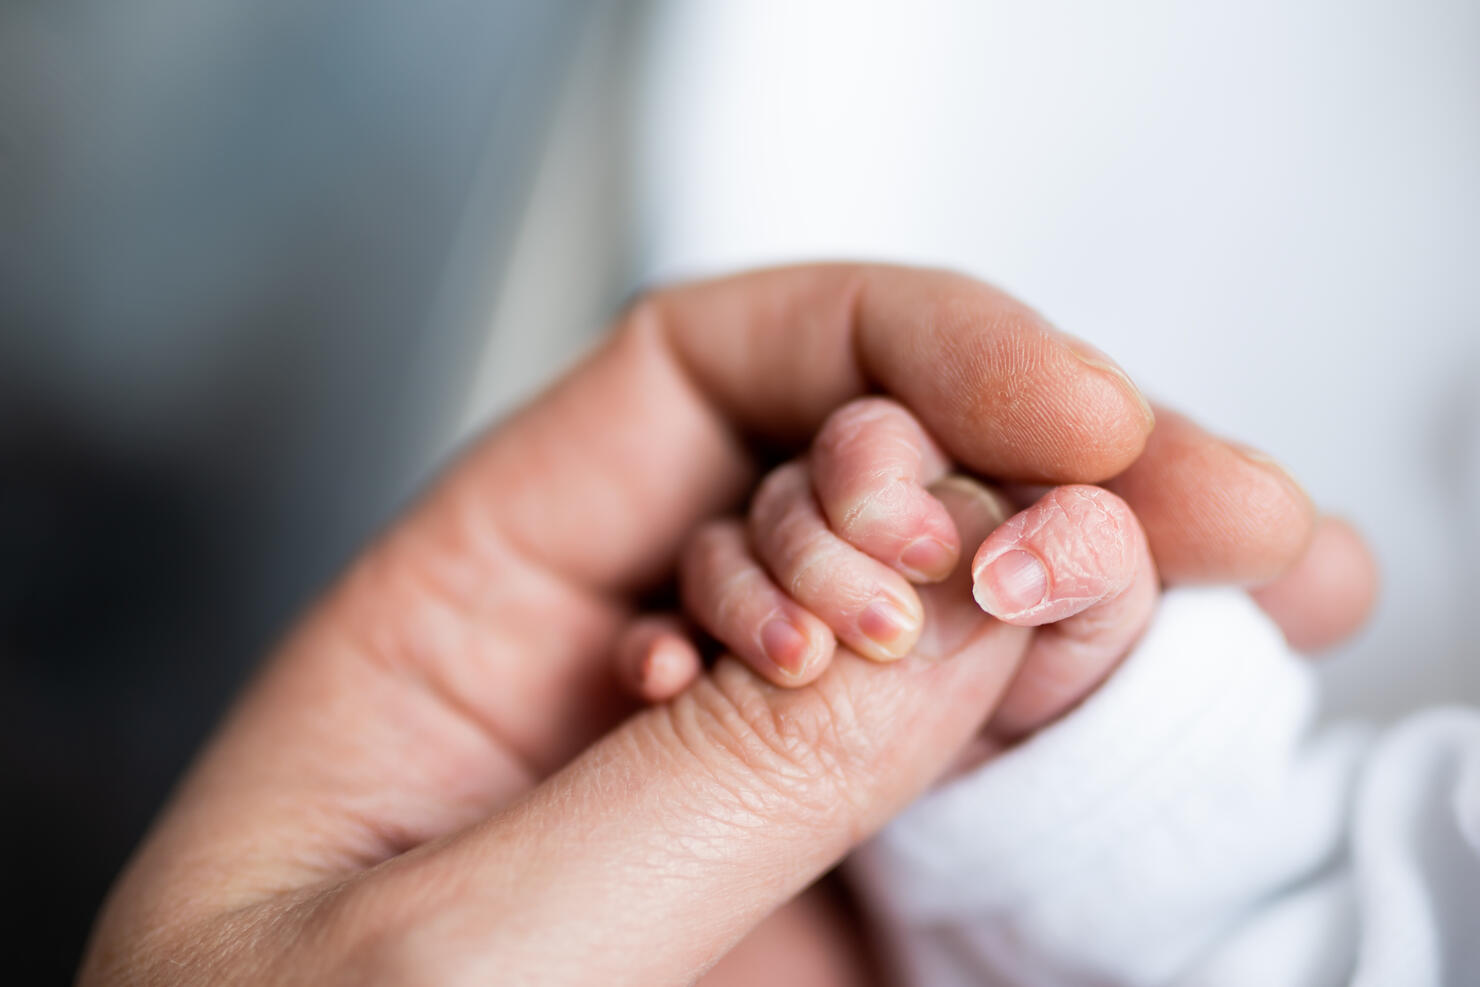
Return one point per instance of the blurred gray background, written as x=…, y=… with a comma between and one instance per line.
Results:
x=247, y=251
x=263, y=265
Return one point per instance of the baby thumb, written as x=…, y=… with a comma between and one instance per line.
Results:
x=647, y=858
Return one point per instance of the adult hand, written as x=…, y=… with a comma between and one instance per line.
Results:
x=432, y=781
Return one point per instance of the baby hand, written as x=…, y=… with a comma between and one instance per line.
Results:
x=836, y=543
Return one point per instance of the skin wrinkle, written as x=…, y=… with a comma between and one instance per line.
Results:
x=702, y=475
x=786, y=755
x=729, y=605
x=231, y=941
x=798, y=582
x=720, y=798
x=1104, y=552
x=1011, y=367
x=777, y=509
x=854, y=420
x=869, y=421
x=820, y=554
x=851, y=751
x=346, y=814
x=732, y=591
x=1090, y=531
x=377, y=644
x=821, y=571
x=789, y=509
x=878, y=502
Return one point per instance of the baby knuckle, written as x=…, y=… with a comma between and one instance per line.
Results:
x=810, y=574
x=793, y=544
x=782, y=501
x=857, y=422
x=879, y=512
x=707, y=548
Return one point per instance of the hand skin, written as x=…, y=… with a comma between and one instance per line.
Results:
x=431, y=781
x=828, y=549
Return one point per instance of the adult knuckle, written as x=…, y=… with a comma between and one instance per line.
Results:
x=775, y=753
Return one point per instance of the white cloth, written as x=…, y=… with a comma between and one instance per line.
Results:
x=1265, y=211
x=1185, y=826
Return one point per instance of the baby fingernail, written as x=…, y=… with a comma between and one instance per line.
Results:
x=1012, y=583
x=785, y=645
x=927, y=558
x=889, y=627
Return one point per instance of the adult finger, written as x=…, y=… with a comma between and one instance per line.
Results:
x=660, y=413
x=1328, y=593
x=661, y=846
x=1220, y=511
x=1214, y=511
x=467, y=654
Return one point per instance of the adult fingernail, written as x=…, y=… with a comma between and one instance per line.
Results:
x=1265, y=461
x=785, y=645
x=927, y=558
x=1011, y=584
x=887, y=625
x=1097, y=360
